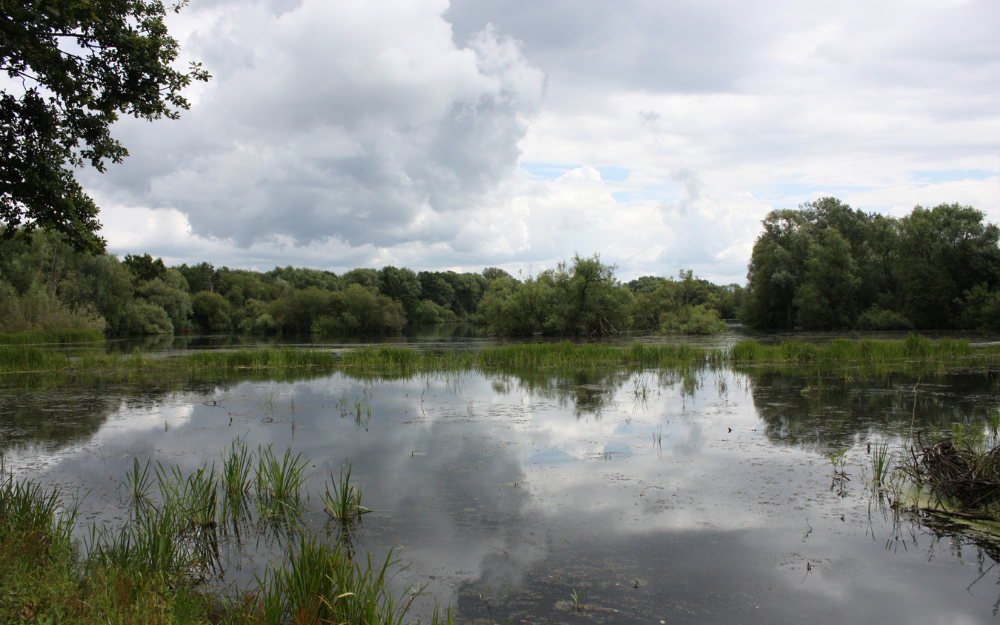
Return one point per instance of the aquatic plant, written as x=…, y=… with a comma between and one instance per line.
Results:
x=881, y=460
x=575, y=597
x=137, y=484
x=363, y=413
x=194, y=498
x=320, y=584
x=345, y=501
x=279, y=479
x=237, y=463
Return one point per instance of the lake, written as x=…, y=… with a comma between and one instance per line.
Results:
x=704, y=495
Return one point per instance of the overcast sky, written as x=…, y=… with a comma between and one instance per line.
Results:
x=434, y=135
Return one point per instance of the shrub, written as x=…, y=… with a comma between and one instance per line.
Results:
x=876, y=318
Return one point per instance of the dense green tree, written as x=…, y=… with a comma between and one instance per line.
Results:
x=301, y=278
x=364, y=310
x=645, y=284
x=400, y=284
x=211, y=312
x=362, y=276
x=144, y=267
x=827, y=297
x=777, y=268
x=588, y=299
x=942, y=253
x=171, y=294
x=435, y=288
x=200, y=277
x=77, y=66
x=492, y=273
x=829, y=266
x=516, y=308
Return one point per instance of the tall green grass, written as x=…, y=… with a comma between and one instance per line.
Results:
x=321, y=583
x=344, y=502
x=60, y=337
x=866, y=351
x=16, y=359
x=393, y=360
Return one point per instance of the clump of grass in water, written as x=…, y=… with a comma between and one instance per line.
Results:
x=363, y=413
x=268, y=399
x=321, y=584
x=137, y=485
x=345, y=501
x=881, y=461
x=237, y=463
x=194, y=498
x=278, y=481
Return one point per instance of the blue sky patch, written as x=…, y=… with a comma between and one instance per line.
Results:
x=610, y=173
x=621, y=196
x=546, y=171
x=952, y=175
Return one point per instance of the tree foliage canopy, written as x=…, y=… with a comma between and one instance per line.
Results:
x=77, y=65
x=828, y=266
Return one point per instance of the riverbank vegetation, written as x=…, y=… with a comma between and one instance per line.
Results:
x=828, y=266
x=47, y=286
x=33, y=359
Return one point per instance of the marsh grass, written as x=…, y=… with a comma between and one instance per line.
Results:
x=137, y=485
x=344, y=503
x=237, y=462
x=60, y=337
x=362, y=413
x=278, y=481
x=392, y=362
x=152, y=568
x=195, y=497
x=881, y=463
x=319, y=583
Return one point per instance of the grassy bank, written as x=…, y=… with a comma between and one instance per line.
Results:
x=394, y=359
x=60, y=337
x=159, y=566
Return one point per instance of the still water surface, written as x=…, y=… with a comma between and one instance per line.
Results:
x=659, y=497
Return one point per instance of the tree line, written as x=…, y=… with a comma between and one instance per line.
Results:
x=46, y=285
x=828, y=266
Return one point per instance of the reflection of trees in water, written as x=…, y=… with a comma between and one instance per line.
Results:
x=830, y=412
x=53, y=412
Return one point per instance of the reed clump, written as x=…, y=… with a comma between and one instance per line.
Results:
x=961, y=475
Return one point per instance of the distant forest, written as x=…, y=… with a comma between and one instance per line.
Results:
x=46, y=286
x=828, y=266
x=821, y=266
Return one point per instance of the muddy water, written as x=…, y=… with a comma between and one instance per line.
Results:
x=655, y=496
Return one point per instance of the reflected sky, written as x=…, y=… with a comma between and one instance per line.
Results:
x=703, y=496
